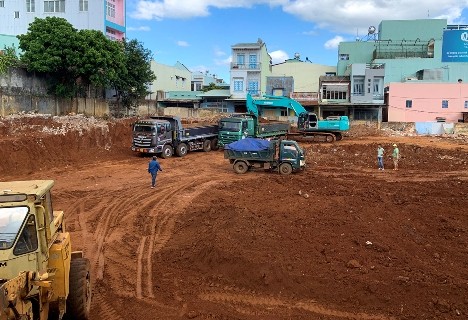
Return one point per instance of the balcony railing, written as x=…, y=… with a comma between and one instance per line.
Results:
x=246, y=66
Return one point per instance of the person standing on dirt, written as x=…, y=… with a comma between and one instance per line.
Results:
x=380, y=153
x=153, y=168
x=395, y=156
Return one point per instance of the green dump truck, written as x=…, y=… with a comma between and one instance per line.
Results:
x=283, y=156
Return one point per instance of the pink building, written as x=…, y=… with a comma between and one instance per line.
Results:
x=422, y=101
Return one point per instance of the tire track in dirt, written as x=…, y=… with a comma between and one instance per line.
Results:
x=161, y=228
x=270, y=302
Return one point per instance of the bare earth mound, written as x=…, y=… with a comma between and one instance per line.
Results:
x=340, y=240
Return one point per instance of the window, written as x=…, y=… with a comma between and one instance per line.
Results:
x=284, y=113
x=2, y=3
x=27, y=242
x=344, y=56
x=444, y=104
x=54, y=6
x=466, y=104
x=16, y=14
x=83, y=5
x=253, y=87
x=358, y=86
x=332, y=92
x=30, y=5
x=409, y=103
x=240, y=59
x=238, y=85
x=377, y=86
x=253, y=61
x=110, y=9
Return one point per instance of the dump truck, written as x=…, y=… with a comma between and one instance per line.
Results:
x=41, y=277
x=240, y=126
x=166, y=135
x=283, y=156
x=309, y=126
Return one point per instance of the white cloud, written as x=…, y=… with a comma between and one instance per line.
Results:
x=333, y=43
x=278, y=56
x=142, y=28
x=218, y=52
x=350, y=16
x=181, y=43
x=223, y=62
x=343, y=16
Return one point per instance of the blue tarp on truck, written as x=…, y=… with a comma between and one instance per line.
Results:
x=248, y=144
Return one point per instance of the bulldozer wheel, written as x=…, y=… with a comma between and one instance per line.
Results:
x=79, y=297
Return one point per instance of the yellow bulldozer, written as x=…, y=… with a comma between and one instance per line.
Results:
x=40, y=277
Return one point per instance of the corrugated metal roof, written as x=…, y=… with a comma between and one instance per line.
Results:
x=247, y=45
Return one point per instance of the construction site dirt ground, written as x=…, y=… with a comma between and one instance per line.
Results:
x=341, y=240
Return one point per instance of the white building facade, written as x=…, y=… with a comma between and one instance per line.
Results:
x=107, y=16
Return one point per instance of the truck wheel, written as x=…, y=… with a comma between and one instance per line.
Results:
x=181, y=150
x=167, y=151
x=214, y=144
x=207, y=145
x=240, y=167
x=79, y=296
x=285, y=168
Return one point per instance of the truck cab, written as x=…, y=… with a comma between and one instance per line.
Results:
x=234, y=128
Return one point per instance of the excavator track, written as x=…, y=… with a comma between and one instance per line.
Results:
x=314, y=137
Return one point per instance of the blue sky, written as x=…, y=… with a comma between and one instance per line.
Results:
x=200, y=33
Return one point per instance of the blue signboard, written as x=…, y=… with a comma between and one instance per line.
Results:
x=455, y=46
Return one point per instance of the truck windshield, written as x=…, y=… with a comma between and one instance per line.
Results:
x=230, y=126
x=11, y=220
x=143, y=128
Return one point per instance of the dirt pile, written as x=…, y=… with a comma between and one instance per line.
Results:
x=210, y=244
x=33, y=142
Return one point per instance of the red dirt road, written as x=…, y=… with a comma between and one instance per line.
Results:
x=210, y=244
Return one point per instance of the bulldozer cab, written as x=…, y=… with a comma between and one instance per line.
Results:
x=36, y=261
x=24, y=205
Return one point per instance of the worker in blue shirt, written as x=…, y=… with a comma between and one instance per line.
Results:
x=153, y=168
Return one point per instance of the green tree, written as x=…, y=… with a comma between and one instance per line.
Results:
x=131, y=84
x=100, y=59
x=211, y=86
x=8, y=59
x=51, y=46
x=71, y=59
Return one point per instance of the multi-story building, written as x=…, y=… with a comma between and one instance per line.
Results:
x=107, y=16
x=425, y=51
x=250, y=66
x=305, y=80
x=177, y=78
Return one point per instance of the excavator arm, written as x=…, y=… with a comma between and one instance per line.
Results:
x=254, y=106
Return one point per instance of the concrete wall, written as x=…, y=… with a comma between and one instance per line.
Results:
x=22, y=91
x=49, y=105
